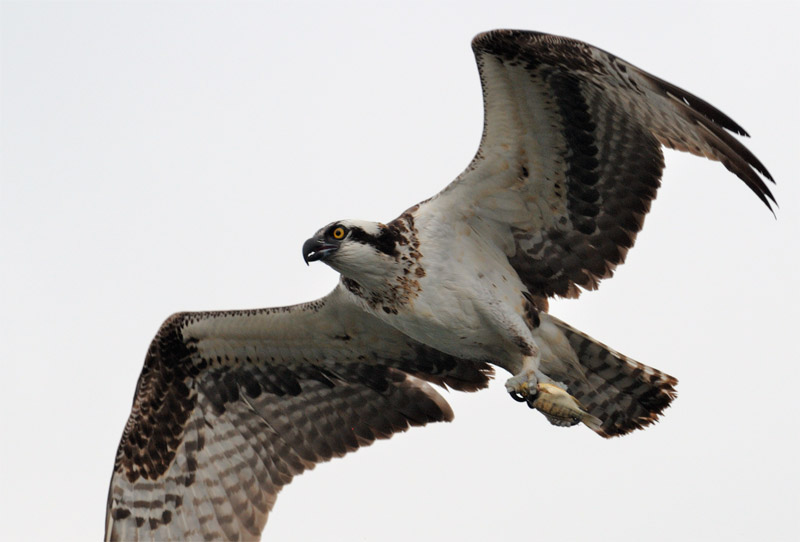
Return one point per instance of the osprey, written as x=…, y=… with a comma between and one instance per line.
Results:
x=231, y=405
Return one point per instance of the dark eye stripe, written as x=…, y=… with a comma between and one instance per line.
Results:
x=386, y=241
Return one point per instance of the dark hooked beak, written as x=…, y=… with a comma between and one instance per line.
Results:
x=317, y=249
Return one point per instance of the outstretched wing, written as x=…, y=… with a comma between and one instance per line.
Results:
x=571, y=158
x=231, y=405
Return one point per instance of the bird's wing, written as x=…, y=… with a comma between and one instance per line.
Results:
x=570, y=157
x=231, y=405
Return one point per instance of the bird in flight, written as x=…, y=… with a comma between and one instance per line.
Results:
x=231, y=405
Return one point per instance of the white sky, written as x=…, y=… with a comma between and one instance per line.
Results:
x=165, y=157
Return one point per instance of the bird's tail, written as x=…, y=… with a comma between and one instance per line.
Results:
x=623, y=393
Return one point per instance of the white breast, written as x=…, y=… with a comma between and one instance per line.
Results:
x=468, y=293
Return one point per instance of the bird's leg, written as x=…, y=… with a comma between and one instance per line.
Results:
x=523, y=386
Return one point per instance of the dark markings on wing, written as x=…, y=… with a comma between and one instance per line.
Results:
x=221, y=422
x=608, y=120
x=610, y=185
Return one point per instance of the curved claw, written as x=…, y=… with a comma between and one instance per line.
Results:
x=517, y=396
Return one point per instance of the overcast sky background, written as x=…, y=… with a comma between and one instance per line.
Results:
x=166, y=157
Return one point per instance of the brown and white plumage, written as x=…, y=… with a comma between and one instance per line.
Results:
x=231, y=405
x=571, y=158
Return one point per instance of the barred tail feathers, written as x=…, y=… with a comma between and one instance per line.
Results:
x=623, y=393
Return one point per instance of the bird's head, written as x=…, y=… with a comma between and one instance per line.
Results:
x=355, y=248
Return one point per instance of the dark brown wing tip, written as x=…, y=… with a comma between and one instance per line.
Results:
x=740, y=161
x=700, y=106
x=721, y=120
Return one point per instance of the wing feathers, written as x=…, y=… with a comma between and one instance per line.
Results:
x=570, y=159
x=231, y=406
x=726, y=149
x=740, y=161
x=699, y=105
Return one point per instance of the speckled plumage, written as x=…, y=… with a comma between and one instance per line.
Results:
x=230, y=406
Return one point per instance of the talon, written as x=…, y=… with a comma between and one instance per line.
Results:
x=517, y=396
x=532, y=397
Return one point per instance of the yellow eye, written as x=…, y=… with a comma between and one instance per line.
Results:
x=338, y=233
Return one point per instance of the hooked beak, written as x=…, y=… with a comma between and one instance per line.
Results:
x=317, y=249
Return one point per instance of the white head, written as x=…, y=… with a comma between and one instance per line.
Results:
x=360, y=250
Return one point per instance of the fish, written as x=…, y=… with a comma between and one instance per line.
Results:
x=562, y=409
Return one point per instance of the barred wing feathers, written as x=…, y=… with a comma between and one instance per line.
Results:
x=570, y=157
x=230, y=406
